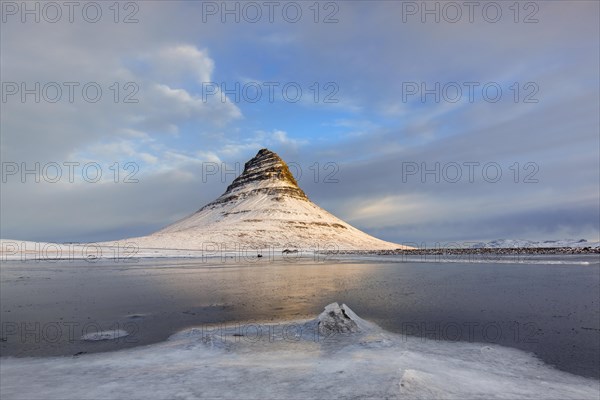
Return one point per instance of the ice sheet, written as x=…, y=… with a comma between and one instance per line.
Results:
x=298, y=360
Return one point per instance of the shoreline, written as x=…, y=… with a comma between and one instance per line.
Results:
x=474, y=251
x=92, y=252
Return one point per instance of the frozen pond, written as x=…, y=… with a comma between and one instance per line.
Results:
x=548, y=306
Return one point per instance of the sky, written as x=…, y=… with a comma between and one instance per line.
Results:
x=417, y=122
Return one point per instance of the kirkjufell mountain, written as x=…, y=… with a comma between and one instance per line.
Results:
x=263, y=208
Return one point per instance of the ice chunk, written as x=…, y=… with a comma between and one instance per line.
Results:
x=336, y=319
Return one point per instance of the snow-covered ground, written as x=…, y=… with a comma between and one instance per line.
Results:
x=155, y=246
x=22, y=250
x=337, y=355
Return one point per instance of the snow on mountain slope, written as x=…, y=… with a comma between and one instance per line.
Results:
x=263, y=208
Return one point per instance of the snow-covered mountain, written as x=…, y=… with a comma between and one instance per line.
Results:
x=263, y=208
x=521, y=243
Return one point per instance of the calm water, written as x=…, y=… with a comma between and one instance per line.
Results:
x=548, y=306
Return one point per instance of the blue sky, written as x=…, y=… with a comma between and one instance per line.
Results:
x=373, y=131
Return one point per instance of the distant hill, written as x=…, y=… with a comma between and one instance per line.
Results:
x=520, y=243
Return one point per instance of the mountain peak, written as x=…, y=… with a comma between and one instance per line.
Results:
x=266, y=172
x=265, y=151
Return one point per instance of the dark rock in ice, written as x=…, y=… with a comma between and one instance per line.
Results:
x=337, y=319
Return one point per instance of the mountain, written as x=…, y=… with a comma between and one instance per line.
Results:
x=263, y=208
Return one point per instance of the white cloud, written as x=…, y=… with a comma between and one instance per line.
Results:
x=209, y=156
x=148, y=158
x=184, y=60
x=280, y=139
x=163, y=107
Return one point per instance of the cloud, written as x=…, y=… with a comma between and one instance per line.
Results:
x=82, y=129
x=183, y=60
x=282, y=140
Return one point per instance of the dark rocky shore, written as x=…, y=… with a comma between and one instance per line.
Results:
x=474, y=251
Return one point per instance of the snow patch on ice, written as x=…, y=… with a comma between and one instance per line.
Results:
x=104, y=335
